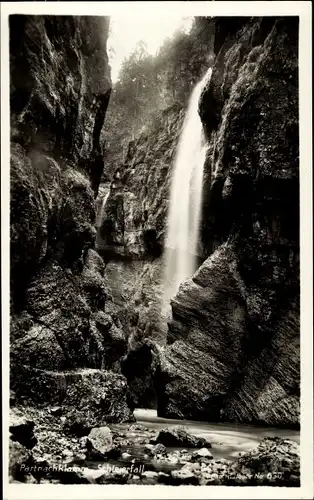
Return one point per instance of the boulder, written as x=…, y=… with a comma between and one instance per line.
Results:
x=149, y=474
x=56, y=410
x=148, y=448
x=46, y=471
x=153, y=450
x=159, y=449
x=183, y=476
x=97, y=397
x=19, y=460
x=12, y=398
x=202, y=453
x=179, y=436
x=190, y=466
x=275, y=462
x=149, y=477
x=22, y=431
x=100, y=444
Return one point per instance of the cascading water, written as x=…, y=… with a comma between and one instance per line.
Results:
x=100, y=217
x=184, y=211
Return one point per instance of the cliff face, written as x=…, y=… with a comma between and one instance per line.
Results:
x=130, y=239
x=233, y=340
x=132, y=222
x=59, y=91
x=234, y=333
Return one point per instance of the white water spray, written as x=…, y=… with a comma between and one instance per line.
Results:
x=184, y=211
x=100, y=218
x=100, y=215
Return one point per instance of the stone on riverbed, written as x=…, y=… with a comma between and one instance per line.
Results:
x=274, y=462
x=179, y=436
x=56, y=410
x=150, y=474
x=19, y=457
x=116, y=475
x=202, y=453
x=22, y=430
x=159, y=449
x=184, y=476
x=99, y=444
x=153, y=450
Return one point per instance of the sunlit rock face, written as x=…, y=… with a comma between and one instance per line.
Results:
x=59, y=92
x=234, y=332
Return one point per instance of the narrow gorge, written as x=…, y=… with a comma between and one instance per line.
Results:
x=154, y=277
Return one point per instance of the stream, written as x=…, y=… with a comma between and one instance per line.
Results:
x=228, y=440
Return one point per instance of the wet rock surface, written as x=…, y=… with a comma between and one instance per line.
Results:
x=130, y=239
x=179, y=436
x=53, y=142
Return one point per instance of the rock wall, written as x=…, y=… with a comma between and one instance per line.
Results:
x=133, y=221
x=233, y=339
x=232, y=348
x=59, y=92
x=135, y=188
x=130, y=239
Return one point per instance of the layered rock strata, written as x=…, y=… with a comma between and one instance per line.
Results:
x=234, y=335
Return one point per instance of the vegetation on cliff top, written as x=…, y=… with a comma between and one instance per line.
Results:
x=148, y=84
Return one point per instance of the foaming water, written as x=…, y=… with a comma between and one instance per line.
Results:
x=185, y=199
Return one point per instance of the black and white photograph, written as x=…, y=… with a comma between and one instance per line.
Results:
x=154, y=234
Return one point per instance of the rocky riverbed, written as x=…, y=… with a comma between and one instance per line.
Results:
x=43, y=450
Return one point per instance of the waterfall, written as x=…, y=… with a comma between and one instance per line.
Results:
x=100, y=214
x=185, y=203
